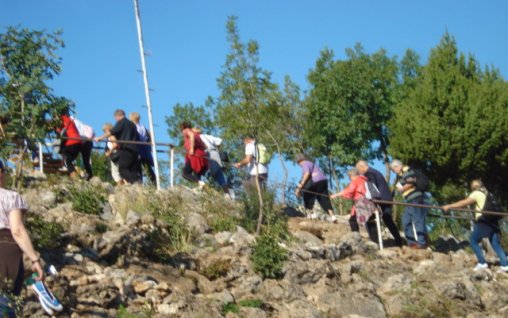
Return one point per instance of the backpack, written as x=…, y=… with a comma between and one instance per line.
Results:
x=491, y=204
x=264, y=156
x=83, y=129
x=371, y=191
x=422, y=183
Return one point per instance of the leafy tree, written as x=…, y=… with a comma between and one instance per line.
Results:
x=28, y=61
x=200, y=116
x=451, y=122
x=250, y=102
x=349, y=104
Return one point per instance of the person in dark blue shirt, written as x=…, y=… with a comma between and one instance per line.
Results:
x=379, y=181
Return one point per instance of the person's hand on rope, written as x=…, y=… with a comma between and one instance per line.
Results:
x=298, y=191
x=336, y=195
x=445, y=208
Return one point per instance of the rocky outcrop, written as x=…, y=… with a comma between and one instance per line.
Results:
x=105, y=267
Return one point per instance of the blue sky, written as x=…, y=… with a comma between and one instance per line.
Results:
x=188, y=44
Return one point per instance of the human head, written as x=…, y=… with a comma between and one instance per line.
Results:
x=119, y=114
x=396, y=166
x=135, y=117
x=299, y=158
x=353, y=173
x=185, y=125
x=107, y=127
x=477, y=184
x=362, y=166
x=248, y=139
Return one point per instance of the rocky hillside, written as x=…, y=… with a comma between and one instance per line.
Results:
x=132, y=252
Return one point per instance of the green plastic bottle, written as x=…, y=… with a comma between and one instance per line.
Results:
x=31, y=280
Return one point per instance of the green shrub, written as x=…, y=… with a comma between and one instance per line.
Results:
x=87, y=198
x=252, y=303
x=267, y=256
x=221, y=223
x=230, y=307
x=101, y=167
x=44, y=234
x=101, y=227
x=217, y=269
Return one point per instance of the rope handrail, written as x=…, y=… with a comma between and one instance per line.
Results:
x=162, y=144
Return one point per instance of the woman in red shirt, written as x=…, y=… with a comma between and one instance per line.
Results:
x=72, y=146
x=356, y=191
x=196, y=162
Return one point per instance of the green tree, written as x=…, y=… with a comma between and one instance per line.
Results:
x=451, y=122
x=199, y=116
x=250, y=102
x=349, y=104
x=28, y=61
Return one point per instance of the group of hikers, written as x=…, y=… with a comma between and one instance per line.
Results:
x=128, y=157
x=366, y=184
x=203, y=153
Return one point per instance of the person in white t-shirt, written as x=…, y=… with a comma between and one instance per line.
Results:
x=256, y=169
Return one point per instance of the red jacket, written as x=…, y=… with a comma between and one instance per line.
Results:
x=70, y=131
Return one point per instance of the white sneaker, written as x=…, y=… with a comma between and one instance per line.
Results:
x=313, y=216
x=480, y=266
x=331, y=219
x=201, y=185
x=503, y=269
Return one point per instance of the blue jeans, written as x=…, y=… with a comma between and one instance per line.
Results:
x=481, y=231
x=417, y=216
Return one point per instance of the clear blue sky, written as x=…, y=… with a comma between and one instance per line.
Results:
x=188, y=45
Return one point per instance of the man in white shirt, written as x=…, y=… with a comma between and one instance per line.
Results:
x=256, y=169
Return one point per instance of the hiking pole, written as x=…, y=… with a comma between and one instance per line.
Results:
x=378, y=226
x=414, y=232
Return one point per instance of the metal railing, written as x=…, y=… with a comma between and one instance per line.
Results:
x=171, y=151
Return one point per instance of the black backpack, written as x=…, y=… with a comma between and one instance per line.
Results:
x=491, y=204
x=422, y=183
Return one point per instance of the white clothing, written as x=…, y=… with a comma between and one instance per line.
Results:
x=250, y=150
x=9, y=201
x=84, y=130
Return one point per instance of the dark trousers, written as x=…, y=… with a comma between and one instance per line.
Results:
x=190, y=175
x=86, y=154
x=11, y=264
x=372, y=228
x=71, y=153
x=147, y=163
x=319, y=191
x=128, y=165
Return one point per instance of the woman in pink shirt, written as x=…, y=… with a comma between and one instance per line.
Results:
x=14, y=241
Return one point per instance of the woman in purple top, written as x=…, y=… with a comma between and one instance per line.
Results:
x=318, y=190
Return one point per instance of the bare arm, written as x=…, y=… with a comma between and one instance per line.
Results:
x=104, y=136
x=22, y=238
x=191, y=142
x=245, y=161
x=459, y=204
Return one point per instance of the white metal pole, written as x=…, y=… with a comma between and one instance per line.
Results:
x=414, y=232
x=41, y=158
x=378, y=226
x=171, y=170
x=147, y=93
